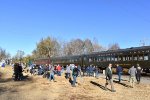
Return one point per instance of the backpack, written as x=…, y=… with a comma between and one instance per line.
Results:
x=75, y=72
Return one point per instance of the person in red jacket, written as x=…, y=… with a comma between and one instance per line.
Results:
x=58, y=70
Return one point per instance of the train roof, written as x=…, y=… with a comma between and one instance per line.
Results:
x=107, y=51
x=125, y=50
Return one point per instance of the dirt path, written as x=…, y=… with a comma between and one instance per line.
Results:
x=89, y=88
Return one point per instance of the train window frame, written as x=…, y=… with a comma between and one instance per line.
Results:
x=112, y=58
x=124, y=58
x=108, y=58
x=140, y=58
x=146, y=57
x=116, y=58
x=135, y=58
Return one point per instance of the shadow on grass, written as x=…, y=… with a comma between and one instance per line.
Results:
x=24, y=78
x=123, y=84
x=99, y=85
x=121, y=79
x=9, y=85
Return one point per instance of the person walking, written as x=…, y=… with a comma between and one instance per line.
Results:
x=108, y=73
x=119, y=72
x=68, y=71
x=138, y=74
x=132, y=72
x=74, y=75
x=51, y=76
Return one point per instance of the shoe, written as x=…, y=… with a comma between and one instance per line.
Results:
x=113, y=90
x=105, y=89
x=73, y=86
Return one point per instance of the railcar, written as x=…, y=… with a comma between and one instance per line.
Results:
x=124, y=57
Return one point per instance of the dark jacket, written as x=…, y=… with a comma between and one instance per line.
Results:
x=108, y=73
x=75, y=72
x=119, y=69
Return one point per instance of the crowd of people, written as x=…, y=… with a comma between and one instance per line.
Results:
x=72, y=72
x=134, y=74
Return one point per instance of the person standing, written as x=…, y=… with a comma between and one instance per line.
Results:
x=84, y=70
x=132, y=71
x=119, y=72
x=51, y=76
x=96, y=72
x=88, y=70
x=58, y=70
x=68, y=71
x=138, y=74
x=16, y=71
x=79, y=70
x=108, y=73
x=75, y=75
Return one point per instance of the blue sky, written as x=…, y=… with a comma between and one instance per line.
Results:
x=24, y=22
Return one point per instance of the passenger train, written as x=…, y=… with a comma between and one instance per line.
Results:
x=124, y=57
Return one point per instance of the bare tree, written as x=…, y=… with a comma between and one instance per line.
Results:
x=20, y=55
x=88, y=46
x=114, y=46
x=4, y=54
x=96, y=46
x=74, y=47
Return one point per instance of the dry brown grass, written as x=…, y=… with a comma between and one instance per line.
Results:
x=88, y=88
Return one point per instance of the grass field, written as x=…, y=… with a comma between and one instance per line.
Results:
x=88, y=88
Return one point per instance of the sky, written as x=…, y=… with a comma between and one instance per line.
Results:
x=24, y=22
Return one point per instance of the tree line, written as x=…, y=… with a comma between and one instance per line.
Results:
x=3, y=54
x=51, y=47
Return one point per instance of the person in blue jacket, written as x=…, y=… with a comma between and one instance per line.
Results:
x=119, y=72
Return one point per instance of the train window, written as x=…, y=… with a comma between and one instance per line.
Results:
x=108, y=58
x=90, y=59
x=120, y=59
x=75, y=60
x=145, y=57
x=100, y=58
x=104, y=59
x=124, y=58
x=72, y=60
x=135, y=58
x=129, y=58
x=85, y=58
x=116, y=58
x=112, y=58
x=140, y=58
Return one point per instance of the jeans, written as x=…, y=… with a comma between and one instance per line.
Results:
x=74, y=80
x=119, y=76
x=138, y=77
x=59, y=73
x=67, y=75
x=96, y=74
x=51, y=76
